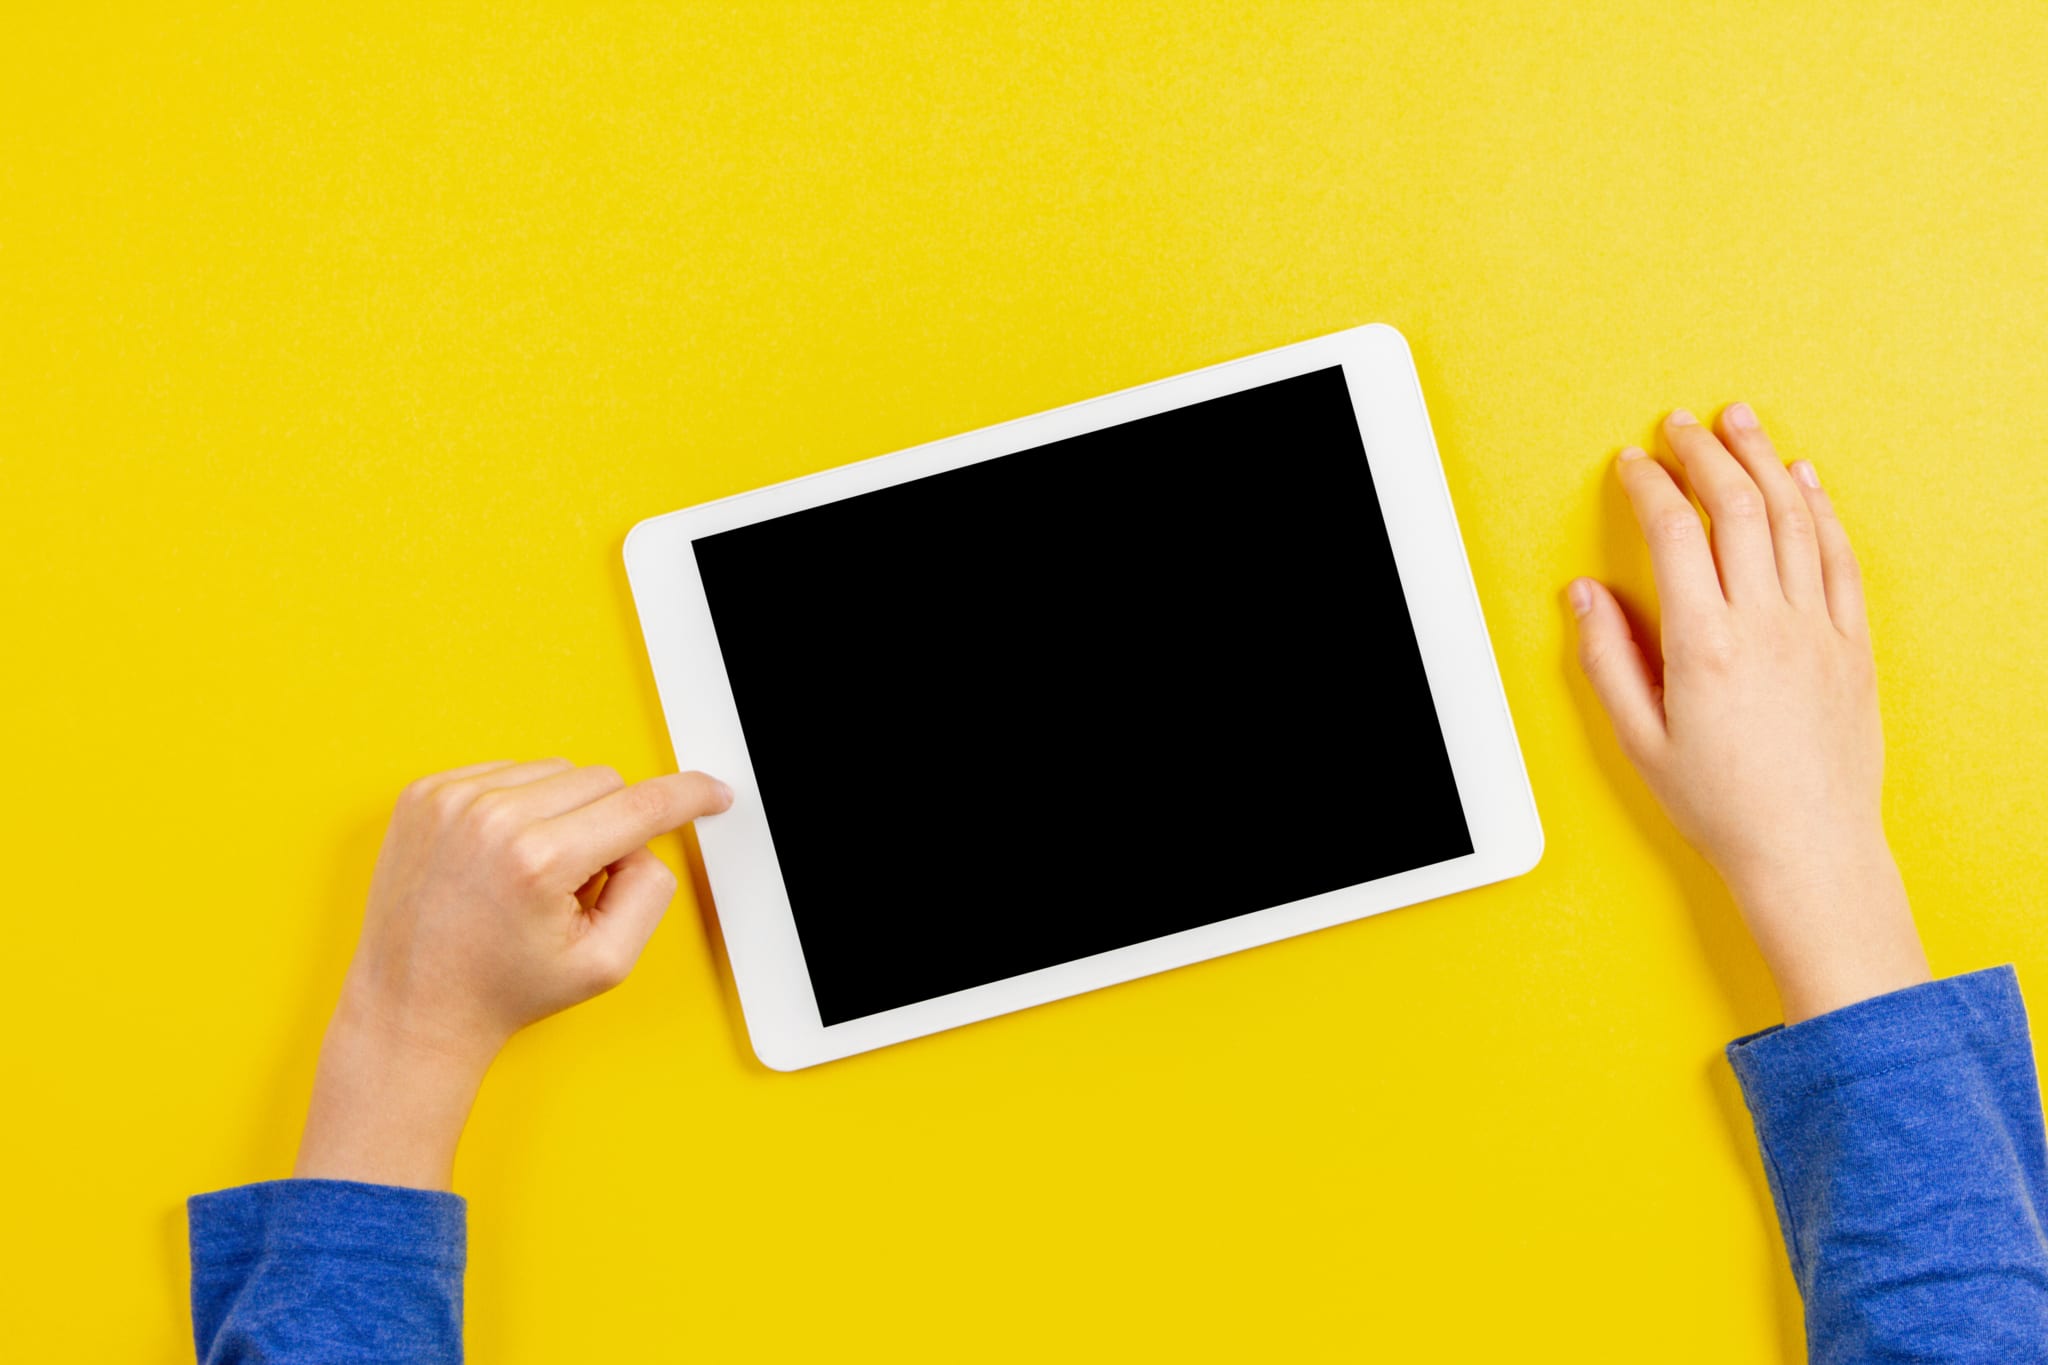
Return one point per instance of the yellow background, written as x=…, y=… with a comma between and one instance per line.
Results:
x=339, y=349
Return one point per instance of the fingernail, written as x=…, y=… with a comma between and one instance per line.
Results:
x=1740, y=417
x=1804, y=471
x=1631, y=452
x=1681, y=418
x=1581, y=595
x=724, y=793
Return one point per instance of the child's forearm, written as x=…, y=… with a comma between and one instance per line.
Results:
x=386, y=1109
x=1839, y=932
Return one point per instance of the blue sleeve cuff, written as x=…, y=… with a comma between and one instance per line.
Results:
x=328, y=1218
x=1902, y=1141
x=1898, y=1031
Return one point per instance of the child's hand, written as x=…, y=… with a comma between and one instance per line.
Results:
x=1762, y=741
x=485, y=914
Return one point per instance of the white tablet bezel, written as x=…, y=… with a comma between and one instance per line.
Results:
x=753, y=909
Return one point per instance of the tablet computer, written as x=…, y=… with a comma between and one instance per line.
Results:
x=1084, y=696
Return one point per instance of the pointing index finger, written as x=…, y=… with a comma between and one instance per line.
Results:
x=609, y=828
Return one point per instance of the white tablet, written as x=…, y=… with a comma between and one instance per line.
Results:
x=1084, y=696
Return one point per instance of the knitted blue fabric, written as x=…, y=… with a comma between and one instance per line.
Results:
x=1902, y=1139
x=327, y=1270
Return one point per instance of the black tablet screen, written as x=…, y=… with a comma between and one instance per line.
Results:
x=1082, y=696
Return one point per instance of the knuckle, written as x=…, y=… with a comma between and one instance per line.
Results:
x=1739, y=504
x=648, y=801
x=1674, y=527
x=492, y=813
x=530, y=857
x=1795, y=523
x=447, y=800
x=1710, y=651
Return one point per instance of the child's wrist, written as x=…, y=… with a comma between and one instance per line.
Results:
x=1837, y=933
x=440, y=1033
x=389, y=1104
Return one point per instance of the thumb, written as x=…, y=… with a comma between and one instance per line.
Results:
x=636, y=894
x=1614, y=664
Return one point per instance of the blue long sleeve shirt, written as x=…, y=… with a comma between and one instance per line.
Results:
x=327, y=1271
x=1902, y=1137
x=1903, y=1144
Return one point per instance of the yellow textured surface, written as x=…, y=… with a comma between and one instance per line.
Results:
x=339, y=349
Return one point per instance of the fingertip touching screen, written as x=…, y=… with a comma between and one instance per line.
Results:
x=1085, y=695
